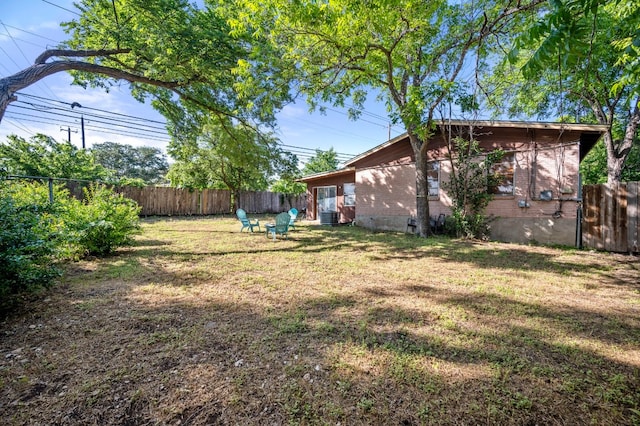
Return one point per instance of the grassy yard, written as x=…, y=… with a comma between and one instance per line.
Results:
x=199, y=324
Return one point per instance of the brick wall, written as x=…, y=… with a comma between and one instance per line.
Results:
x=385, y=195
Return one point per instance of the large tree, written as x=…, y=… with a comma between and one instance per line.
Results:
x=233, y=158
x=179, y=55
x=579, y=58
x=126, y=161
x=412, y=52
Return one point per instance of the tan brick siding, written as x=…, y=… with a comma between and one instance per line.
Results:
x=390, y=191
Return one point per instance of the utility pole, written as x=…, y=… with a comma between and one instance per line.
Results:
x=76, y=104
x=68, y=130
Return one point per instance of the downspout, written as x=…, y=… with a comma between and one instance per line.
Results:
x=579, y=202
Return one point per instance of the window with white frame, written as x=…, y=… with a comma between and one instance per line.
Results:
x=502, y=172
x=349, y=194
x=433, y=178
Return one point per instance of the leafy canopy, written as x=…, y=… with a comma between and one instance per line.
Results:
x=322, y=161
x=188, y=54
x=578, y=58
x=42, y=155
x=126, y=161
x=233, y=157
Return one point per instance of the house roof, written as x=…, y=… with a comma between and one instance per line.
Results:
x=590, y=128
x=323, y=175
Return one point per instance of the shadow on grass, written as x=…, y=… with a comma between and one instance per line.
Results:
x=321, y=361
x=338, y=358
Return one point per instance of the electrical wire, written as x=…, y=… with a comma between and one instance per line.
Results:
x=49, y=104
x=24, y=56
x=31, y=33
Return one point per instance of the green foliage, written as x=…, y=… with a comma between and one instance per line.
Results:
x=593, y=168
x=577, y=58
x=35, y=234
x=234, y=158
x=322, y=161
x=288, y=187
x=129, y=163
x=103, y=222
x=468, y=187
x=41, y=155
x=28, y=237
x=188, y=49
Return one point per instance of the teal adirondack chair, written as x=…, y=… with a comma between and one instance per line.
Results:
x=293, y=213
x=246, y=222
x=280, y=227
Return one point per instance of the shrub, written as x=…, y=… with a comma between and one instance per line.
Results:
x=35, y=234
x=104, y=221
x=470, y=179
x=28, y=241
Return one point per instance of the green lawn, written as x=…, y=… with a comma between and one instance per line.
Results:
x=200, y=324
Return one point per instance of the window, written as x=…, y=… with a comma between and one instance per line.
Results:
x=349, y=194
x=501, y=182
x=433, y=178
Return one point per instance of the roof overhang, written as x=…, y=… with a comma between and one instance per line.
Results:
x=596, y=130
x=325, y=175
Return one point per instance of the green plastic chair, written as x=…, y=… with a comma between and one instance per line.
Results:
x=293, y=213
x=280, y=227
x=246, y=222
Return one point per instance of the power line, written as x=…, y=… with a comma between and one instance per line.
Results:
x=313, y=151
x=94, y=109
x=101, y=131
x=15, y=42
x=112, y=121
x=60, y=7
x=110, y=113
x=30, y=33
x=24, y=56
x=90, y=124
x=24, y=129
x=125, y=126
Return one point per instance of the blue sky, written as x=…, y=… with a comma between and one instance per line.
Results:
x=28, y=27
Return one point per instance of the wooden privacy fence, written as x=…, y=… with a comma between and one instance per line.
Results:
x=164, y=201
x=611, y=217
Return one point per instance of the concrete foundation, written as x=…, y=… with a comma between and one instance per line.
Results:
x=538, y=230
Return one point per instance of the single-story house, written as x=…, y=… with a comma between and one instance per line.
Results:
x=537, y=201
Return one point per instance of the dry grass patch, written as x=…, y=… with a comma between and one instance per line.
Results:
x=200, y=324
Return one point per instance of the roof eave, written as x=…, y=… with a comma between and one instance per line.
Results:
x=599, y=128
x=323, y=175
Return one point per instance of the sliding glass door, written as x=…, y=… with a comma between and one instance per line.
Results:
x=326, y=199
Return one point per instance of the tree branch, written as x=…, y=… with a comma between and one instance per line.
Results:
x=77, y=54
x=20, y=80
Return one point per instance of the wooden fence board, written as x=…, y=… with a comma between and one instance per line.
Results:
x=610, y=217
x=633, y=216
x=165, y=201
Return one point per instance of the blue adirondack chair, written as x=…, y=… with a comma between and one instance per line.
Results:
x=280, y=227
x=246, y=222
x=294, y=215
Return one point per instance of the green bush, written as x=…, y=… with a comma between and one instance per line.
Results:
x=103, y=222
x=35, y=234
x=28, y=240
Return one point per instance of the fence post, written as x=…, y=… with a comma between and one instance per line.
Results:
x=50, y=190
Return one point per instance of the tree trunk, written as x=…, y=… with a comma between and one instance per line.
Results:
x=614, y=161
x=422, y=185
x=618, y=151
